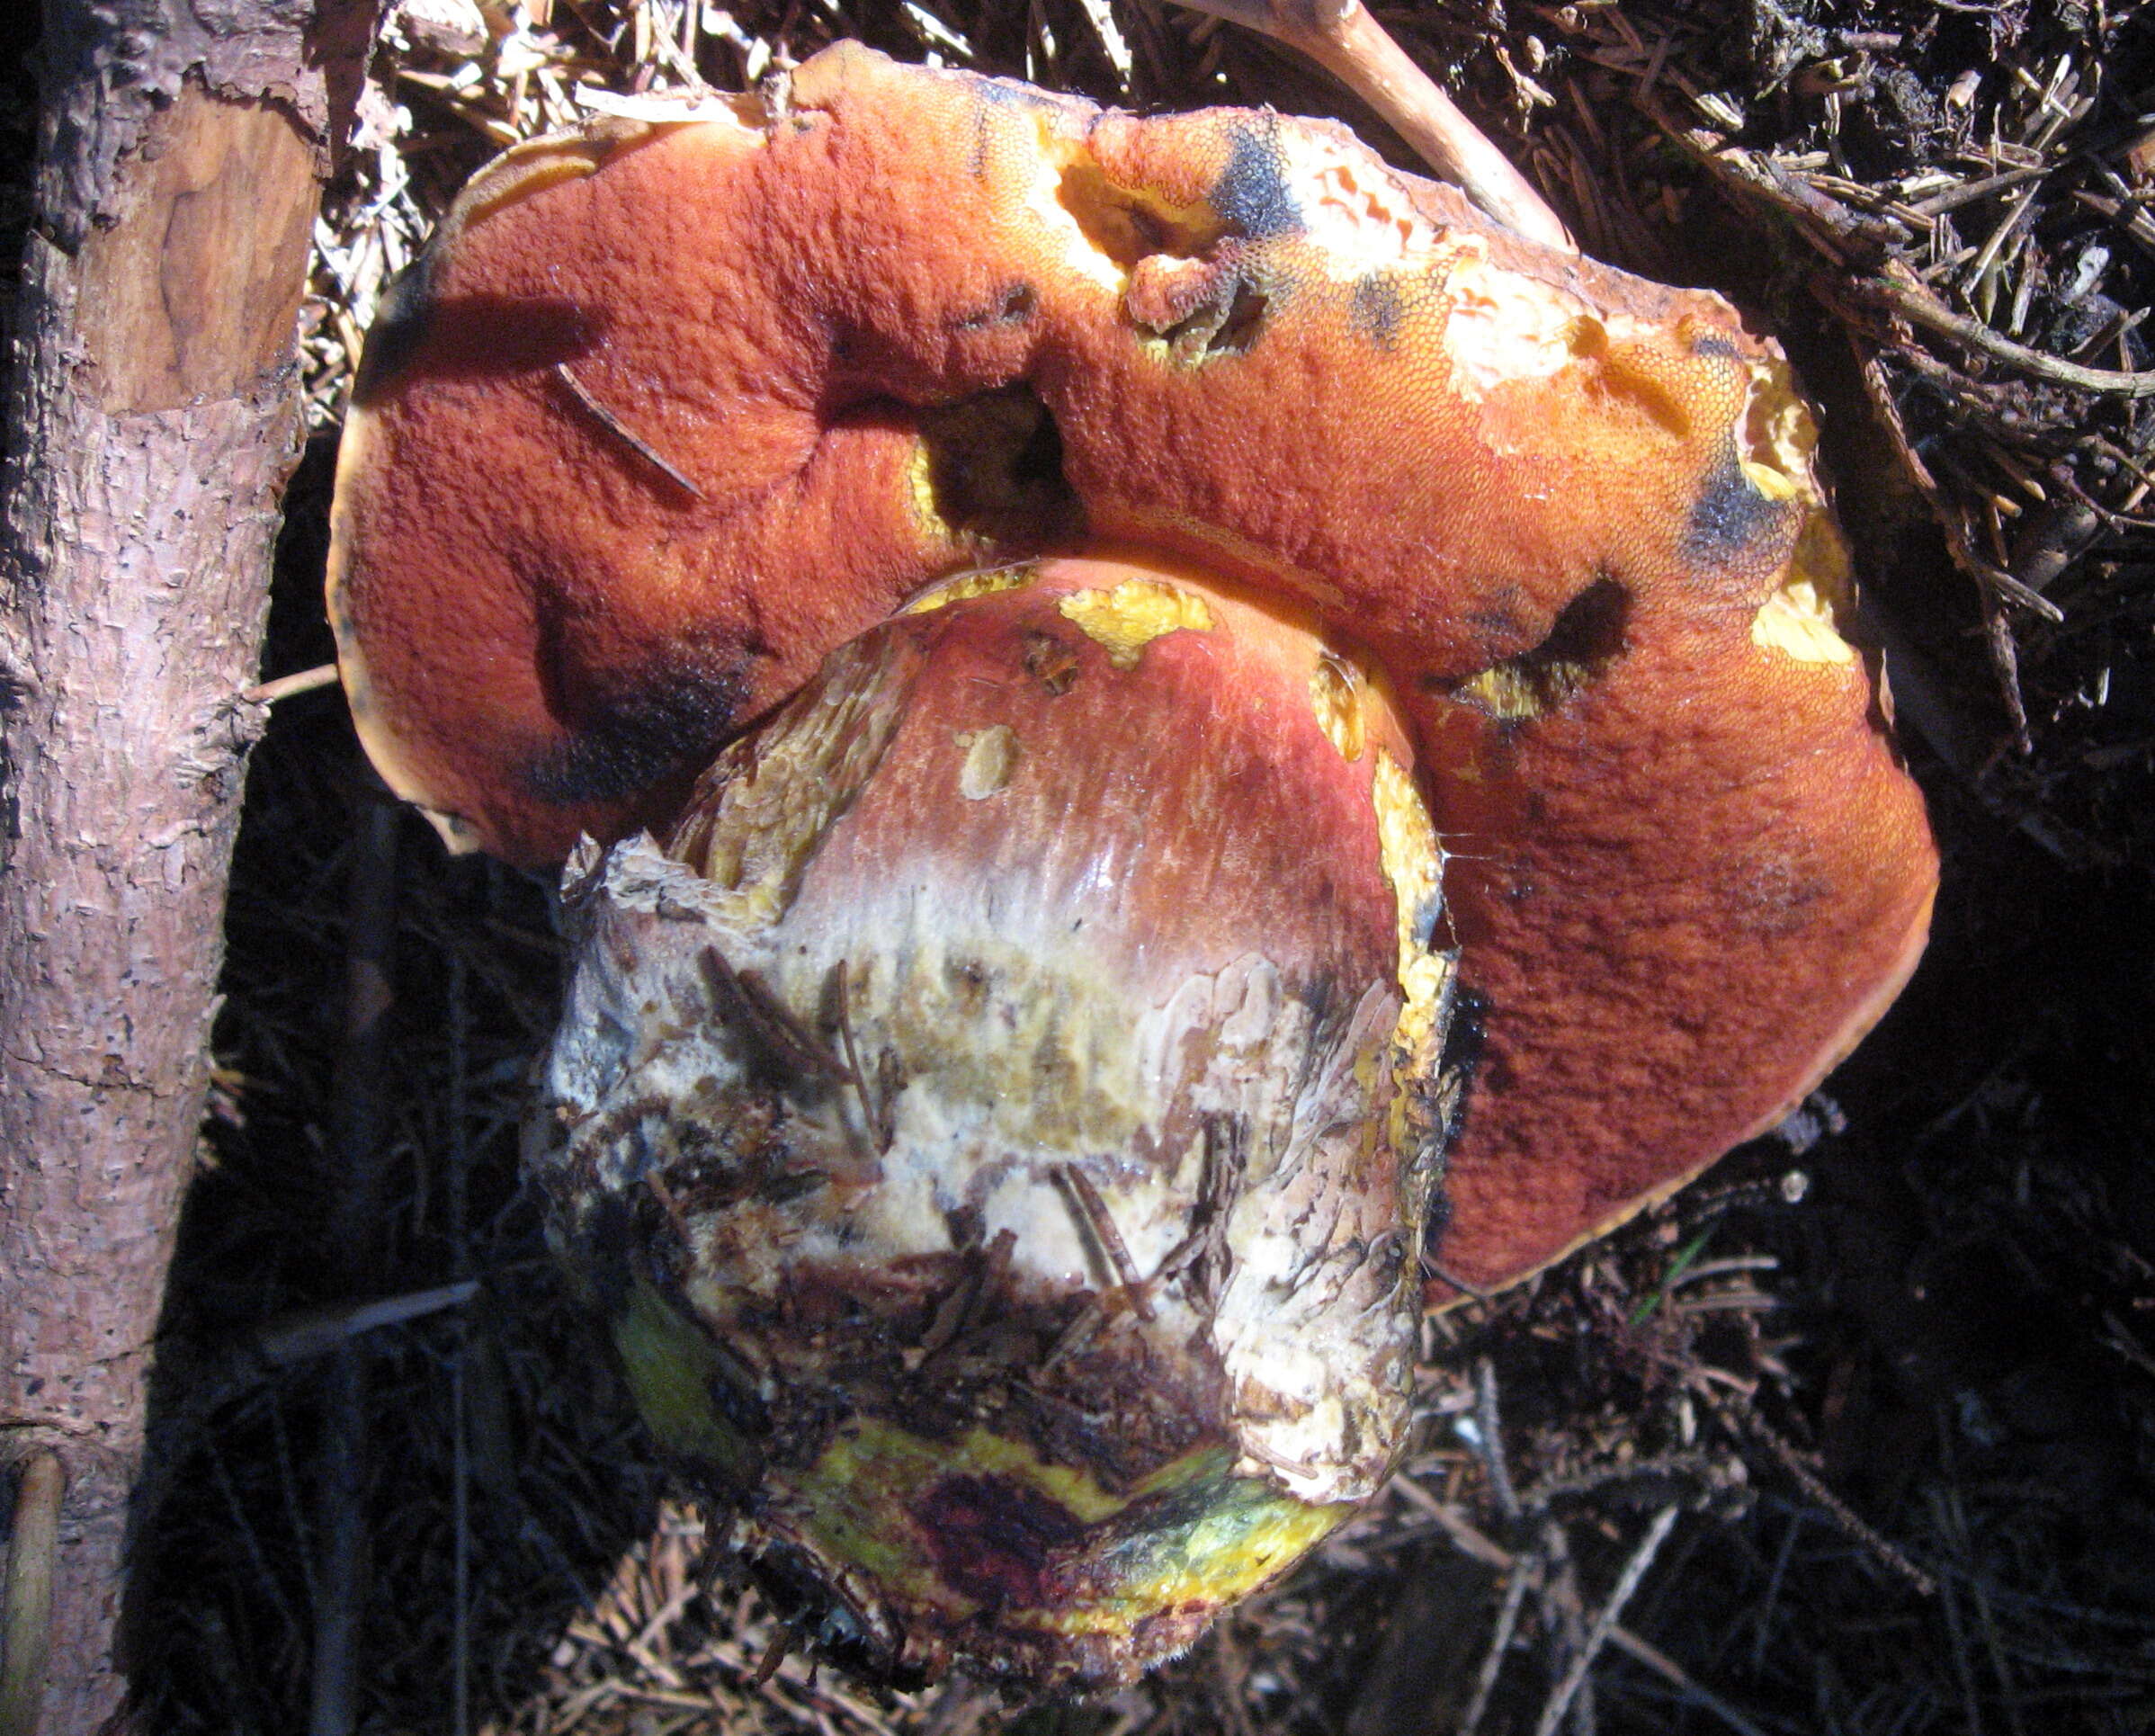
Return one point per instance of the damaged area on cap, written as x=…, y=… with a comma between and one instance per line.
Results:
x=965, y=587
x=1503, y=327
x=1036, y=1153
x=1803, y=617
x=1125, y=619
x=1336, y=686
x=869, y=435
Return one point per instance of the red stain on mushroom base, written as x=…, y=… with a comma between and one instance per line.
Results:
x=994, y=1538
x=908, y=320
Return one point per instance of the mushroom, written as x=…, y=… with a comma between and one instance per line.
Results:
x=670, y=410
x=998, y=1119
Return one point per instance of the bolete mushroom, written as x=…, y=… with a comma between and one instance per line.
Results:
x=670, y=410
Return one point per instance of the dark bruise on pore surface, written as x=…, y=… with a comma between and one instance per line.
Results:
x=633, y=735
x=1252, y=192
x=1377, y=309
x=1731, y=517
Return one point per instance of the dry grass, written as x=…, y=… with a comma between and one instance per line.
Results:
x=1881, y=1391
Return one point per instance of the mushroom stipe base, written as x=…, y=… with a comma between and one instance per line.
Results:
x=999, y=1123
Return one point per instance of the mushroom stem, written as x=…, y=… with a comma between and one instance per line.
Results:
x=1348, y=42
x=1000, y=1120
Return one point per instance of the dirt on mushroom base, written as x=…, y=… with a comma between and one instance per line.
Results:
x=1960, y=1297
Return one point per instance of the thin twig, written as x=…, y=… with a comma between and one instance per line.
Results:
x=361, y=1116
x=875, y=1108
x=1092, y=1212
x=1559, y=1578
x=1605, y=1624
x=1882, y=1548
x=1914, y=302
x=302, y=681
x=612, y=424
x=745, y=999
x=311, y=1332
x=459, y=1242
x=1490, y=1446
x=1470, y=1541
x=1467, y=1292
x=1517, y=1579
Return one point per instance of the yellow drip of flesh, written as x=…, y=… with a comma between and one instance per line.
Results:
x=1336, y=696
x=967, y=586
x=991, y=758
x=1414, y=862
x=1124, y=620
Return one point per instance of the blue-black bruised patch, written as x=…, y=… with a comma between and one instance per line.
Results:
x=1711, y=343
x=399, y=325
x=1014, y=93
x=1376, y=308
x=989, y=95
x=1253, y=195
x=632, y=731
x=1730, y=516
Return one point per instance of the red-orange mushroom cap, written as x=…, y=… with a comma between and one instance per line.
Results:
x=669, y=411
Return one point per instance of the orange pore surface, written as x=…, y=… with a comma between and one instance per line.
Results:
x=1554, y=503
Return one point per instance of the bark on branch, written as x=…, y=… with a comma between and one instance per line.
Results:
x=151, y=426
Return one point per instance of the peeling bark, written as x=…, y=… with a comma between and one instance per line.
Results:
x=152, y=423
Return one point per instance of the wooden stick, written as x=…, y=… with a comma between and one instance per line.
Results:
x=1913, y=302
x=1605, y=1624
x=151, y=432
x=302, y=681
x=1470, y=1541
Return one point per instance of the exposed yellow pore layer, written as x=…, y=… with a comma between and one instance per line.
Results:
x=1506, y=692
x=1126, y=620
x=1798, y=622
x=1801, y=619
